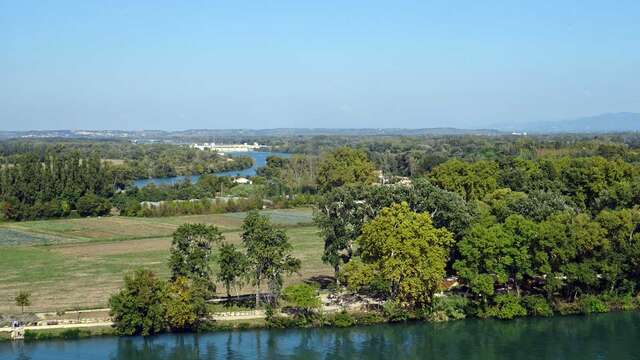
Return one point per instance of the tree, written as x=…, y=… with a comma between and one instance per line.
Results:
x=496, y=255
x=407, y=252
x=344, y=166
x=343, y=211
x=570, y=254
x=23, y=299
x=191, y=250
x=341, y=214
x=139, y=308
x=303, y=297
x=92, y=205
x=623, y=231
x=233, y=265
x=184, y=304
x=268, y=253
x=471, y=180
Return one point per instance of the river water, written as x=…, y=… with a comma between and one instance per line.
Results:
x=259, y=157
x=605, y=336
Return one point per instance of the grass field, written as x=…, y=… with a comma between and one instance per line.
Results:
x=79, y=262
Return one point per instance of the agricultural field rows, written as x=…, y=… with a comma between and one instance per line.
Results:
x=73, y=263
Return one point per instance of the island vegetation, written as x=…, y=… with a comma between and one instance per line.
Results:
x=413, y=228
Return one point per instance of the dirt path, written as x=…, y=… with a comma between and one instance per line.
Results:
x=61, y=326
x=218, y=316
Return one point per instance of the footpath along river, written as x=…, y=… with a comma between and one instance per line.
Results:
x=605, y=336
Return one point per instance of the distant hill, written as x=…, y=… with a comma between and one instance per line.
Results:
x=202, y=134
x=603, y=123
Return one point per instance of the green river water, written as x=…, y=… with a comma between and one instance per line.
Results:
x=606, y=336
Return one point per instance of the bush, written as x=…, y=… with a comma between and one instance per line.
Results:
x=303, y=297
x=592, y=304
x=394, y=312
x=620, y=302
x=367, y=318
x=446, y=308
x=282, y=322
x=565, y=308
x=342, y=319
x=92, y=205
x=506, y=307
x=537, y=306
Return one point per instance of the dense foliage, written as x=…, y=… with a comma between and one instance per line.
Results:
x=403, y=253
x=539, y=225
x=31, y=188
x=43, y=180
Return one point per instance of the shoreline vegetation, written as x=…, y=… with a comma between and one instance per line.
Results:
x=339, y=319
x=477, y=228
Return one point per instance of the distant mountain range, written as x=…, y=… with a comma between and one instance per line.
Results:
x=603, y=123
x=219, y=134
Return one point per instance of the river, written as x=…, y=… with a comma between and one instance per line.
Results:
x=605, y=336
x=259, y=157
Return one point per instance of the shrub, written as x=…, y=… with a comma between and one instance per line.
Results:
x=506, y=307
x=303, y=297
x=620, y=302
x=565, y=308
x=446, y=308
x=367, y=318
x=342, y=319
x=592, y=304
x=92, y=205
x=282, y=322
x=394, y=312
x=537, y=306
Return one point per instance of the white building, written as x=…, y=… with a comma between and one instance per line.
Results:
x=227, y=148
x=242, y=180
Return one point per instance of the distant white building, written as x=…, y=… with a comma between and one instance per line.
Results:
x=227, y=148
x=242, y=180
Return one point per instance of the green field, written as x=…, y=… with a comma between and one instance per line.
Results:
x=72, y=263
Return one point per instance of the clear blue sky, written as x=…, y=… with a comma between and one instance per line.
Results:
x=264, y=64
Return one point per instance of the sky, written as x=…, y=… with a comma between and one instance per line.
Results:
x=176, y=65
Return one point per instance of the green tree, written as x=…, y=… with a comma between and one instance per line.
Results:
x=23, y=299
x=344, y=166
x=268, y=253
x=233, y=265
x=303, y=297
x=340, y=216
x=407, y=252
x=343, y=211
x=92, y=205
x=138, y=309
x=570, y=254
x=623, y=231
x=184, y=304
x=499, y=254
x=471, y=180
x=191, y=250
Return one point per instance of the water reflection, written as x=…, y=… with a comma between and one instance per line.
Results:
x=609, y=336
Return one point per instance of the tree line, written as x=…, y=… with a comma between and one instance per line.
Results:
x=488, y=238
x=520, y=236
x=147, y=305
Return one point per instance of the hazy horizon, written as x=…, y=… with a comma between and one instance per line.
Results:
x=216, y=65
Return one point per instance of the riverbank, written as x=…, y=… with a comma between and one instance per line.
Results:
x=330, y=316
x=604, y=336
